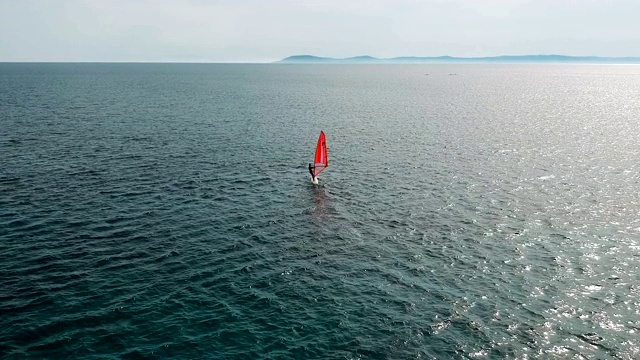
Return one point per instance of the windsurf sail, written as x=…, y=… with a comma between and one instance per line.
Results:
x=321, y=161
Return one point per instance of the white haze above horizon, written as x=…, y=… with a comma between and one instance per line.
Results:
x=265, y=31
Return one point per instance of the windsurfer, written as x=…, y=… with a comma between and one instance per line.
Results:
x=313, y=177
x=321, y=159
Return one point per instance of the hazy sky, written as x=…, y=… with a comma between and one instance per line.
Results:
x=261, y=30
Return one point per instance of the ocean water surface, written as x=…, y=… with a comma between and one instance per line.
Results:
x=469, y=211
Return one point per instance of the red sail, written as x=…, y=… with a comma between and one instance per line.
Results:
x=322, y=156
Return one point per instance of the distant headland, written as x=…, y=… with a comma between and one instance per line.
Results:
x=511, y=59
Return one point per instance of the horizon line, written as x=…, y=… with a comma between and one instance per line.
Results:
x=441, y=58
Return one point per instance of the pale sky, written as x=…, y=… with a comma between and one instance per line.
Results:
x=265, y=31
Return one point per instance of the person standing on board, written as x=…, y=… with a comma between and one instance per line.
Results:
x=313, y=177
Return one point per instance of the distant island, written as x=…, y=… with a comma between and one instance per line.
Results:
x=511, y=59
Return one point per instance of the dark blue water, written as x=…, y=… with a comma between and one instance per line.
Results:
x=470, y=211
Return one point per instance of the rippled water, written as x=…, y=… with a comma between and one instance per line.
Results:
x=470, y=211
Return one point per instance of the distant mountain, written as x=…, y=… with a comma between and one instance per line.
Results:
x=365, y=59
x=306, y=59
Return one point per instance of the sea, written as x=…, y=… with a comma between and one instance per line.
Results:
x=469, y=211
